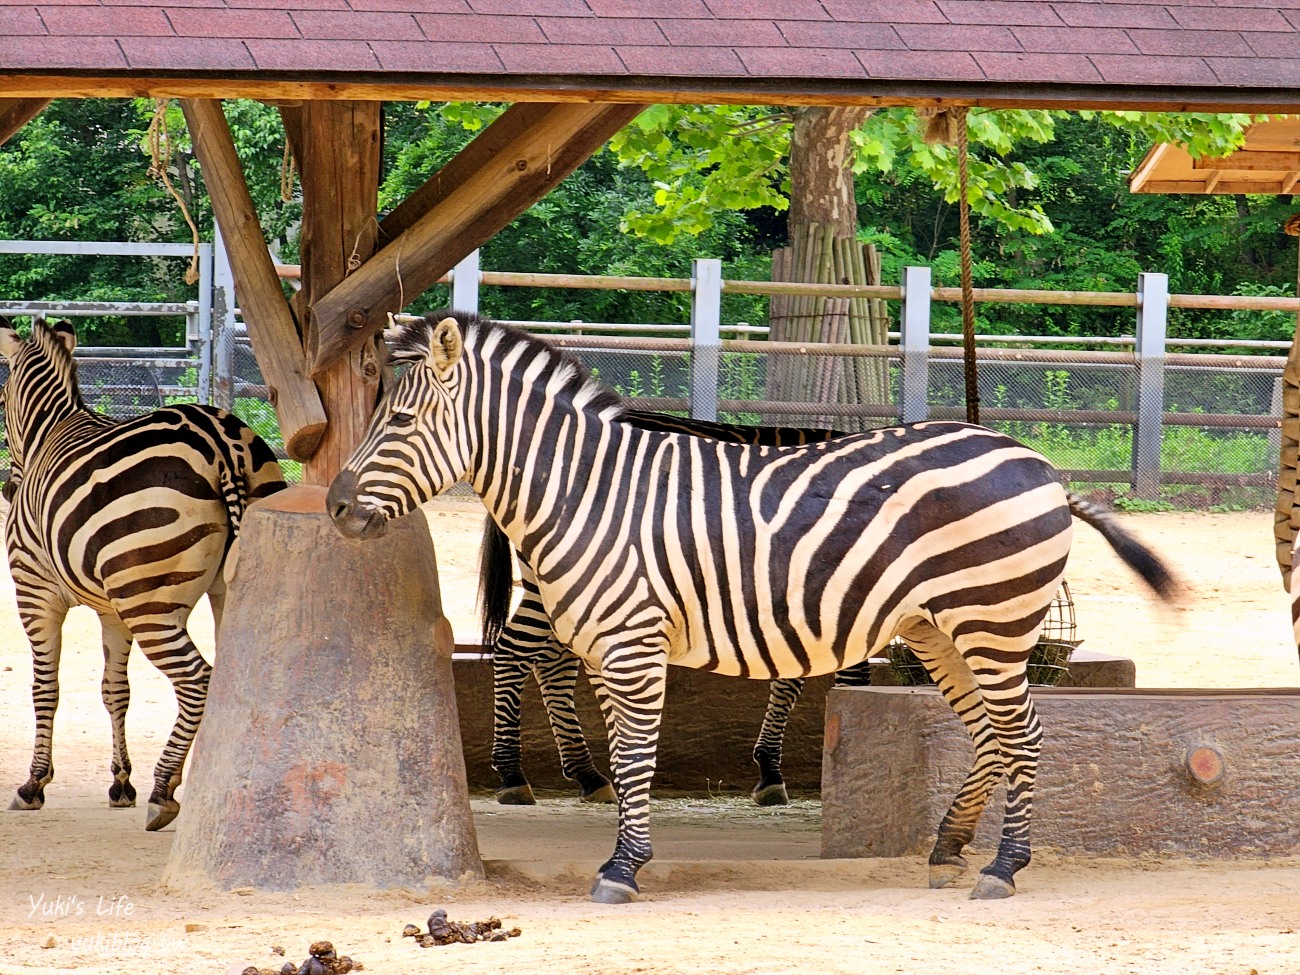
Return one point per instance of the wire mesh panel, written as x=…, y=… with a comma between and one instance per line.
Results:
x=1078, y=415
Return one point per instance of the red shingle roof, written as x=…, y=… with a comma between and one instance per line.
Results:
x=1251, y=44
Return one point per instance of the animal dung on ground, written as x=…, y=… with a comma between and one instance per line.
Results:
x=444, y=932
x=321, y=960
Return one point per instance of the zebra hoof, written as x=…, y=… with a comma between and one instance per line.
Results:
x=771, y=795
x=161, y=813
x=605, y=891
x=126, y=802
x=20, y=803
x=991, y=888
x=943, y=874
x=602, y=793
x=516, y=795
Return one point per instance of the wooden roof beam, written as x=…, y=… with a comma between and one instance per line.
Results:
x=17, y=112
x=271, y=325
x=1248, y=161
x=508, y=167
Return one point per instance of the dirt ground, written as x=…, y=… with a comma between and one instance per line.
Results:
x=733, y=888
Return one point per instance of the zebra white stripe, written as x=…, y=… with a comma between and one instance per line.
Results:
x=134, y=520
x=651, y=548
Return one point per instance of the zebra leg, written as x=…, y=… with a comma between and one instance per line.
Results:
x=42, y=611
x=169, y=648
x=558, y=679
x=1015, y=721
x=630, y=689
x=116, y=693
x=959, y=688
x=783, y=696
x=509, y=674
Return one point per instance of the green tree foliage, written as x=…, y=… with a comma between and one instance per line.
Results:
x=1049, y=193
x=81, y=171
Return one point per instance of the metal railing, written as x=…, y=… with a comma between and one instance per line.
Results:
x=1136, y=385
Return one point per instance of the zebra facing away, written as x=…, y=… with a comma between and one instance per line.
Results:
x=133, y=519
x=522, y=644
x=759, y=562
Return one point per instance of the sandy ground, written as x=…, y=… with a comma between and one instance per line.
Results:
x=733, y=888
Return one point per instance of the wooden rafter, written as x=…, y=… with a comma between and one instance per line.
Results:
x=271, y=325
x=17, y=112
x=511, y=165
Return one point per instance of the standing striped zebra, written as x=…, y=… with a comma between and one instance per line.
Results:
x=133, y=519
x=523, y=644
x=653, y=548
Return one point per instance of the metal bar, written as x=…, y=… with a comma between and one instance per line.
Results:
x=89, y=309
x=1152, y=322
x=914, y=338
x=706, y=340
x=464, y=284
x=104, y=247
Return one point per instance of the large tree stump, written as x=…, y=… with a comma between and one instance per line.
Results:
x=330, y=751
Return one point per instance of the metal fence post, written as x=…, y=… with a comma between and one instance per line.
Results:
x=914, y=338
x=1152, y=325
x=222, y=333
x=203, y=340
x=706, y=336
x=464, y=284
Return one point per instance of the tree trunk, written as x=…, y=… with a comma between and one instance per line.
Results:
x=821, y=174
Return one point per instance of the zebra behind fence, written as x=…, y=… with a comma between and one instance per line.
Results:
x=523, y=644
x=760, y=562
x=133, y=519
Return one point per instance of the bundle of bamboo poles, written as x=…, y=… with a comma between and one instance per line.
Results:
x=816, y=255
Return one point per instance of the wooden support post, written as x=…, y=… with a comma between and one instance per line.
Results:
x=17, y=112
x=330, y=751
x=271, y=325
x=340, y=191
x=511, y=165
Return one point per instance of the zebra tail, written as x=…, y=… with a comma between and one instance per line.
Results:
x=1136, y=555
x=496, y=579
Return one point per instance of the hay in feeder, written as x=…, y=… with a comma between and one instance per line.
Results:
x=1049, y=660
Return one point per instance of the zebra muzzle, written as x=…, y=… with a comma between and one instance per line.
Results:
x=351, y=517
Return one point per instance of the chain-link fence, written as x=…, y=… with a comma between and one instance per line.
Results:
x=1217, y=439
x=1123, y=417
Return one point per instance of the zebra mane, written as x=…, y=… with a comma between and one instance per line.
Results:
x=46, y=337
x=411, y=341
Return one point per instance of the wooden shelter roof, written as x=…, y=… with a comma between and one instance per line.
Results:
x=1269, y=162
x=1195, y=53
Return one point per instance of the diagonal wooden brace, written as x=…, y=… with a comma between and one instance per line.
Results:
x=508, y=167
x=270, y=322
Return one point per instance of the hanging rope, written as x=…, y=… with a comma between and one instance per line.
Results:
x=967, y=289
x=160, y=159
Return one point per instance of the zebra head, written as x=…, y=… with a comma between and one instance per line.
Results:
x=414, y=449
x=42, y=385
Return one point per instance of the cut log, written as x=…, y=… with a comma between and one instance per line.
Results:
x=330, y=752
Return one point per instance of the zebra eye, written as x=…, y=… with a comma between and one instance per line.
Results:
x=402, y=419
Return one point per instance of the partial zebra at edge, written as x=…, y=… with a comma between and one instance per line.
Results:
x=133, y=519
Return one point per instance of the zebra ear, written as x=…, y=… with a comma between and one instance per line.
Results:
x=65, y=333
x=9, y=340
x=445, y=346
